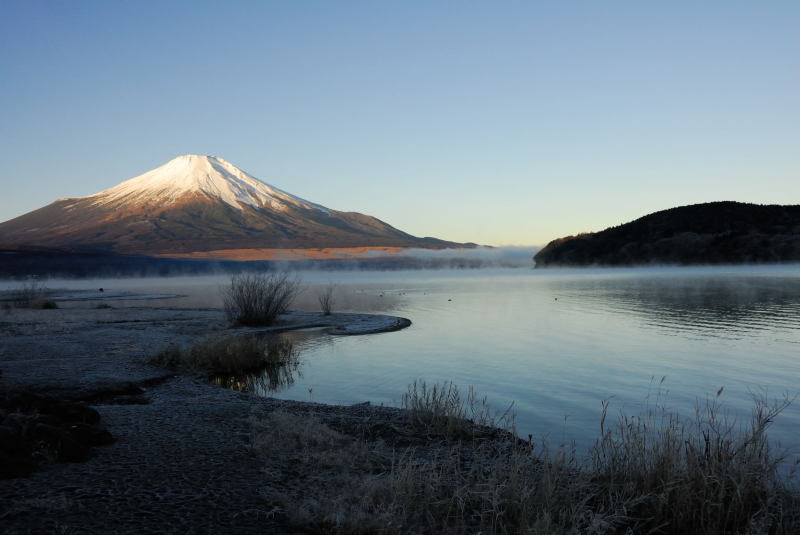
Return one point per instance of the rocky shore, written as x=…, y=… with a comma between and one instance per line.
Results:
x=105, y=443
x=169, y=453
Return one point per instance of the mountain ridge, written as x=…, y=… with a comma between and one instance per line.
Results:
x=199, y=203
x=193, y=174
x=722, y=232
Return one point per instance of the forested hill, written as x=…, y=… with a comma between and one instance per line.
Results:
x=710, y=233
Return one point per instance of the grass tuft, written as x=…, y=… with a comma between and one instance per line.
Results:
x=229, y=355
x=441, y=410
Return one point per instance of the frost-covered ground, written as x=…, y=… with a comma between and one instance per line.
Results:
x=72, y=347
x=181, y=461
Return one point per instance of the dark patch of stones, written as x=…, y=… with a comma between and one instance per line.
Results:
x=36, y=430
x=121, y=393
x=102, y=393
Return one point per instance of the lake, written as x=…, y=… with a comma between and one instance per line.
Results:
x=555, y=343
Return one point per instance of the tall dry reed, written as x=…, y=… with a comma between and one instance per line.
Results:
x=657, y=472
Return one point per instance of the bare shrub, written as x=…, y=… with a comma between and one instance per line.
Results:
x=259, y=298
x=32, y=294
x=326, y=299
x=228, y=355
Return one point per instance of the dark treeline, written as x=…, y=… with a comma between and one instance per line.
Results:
x=44, y=263
x=710, y=233
x=76, y=264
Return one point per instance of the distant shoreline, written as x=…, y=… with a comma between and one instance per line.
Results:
x=325, y=253
x=21, y=263
x=714, y=233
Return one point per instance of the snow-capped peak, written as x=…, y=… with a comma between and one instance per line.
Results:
x=209, y=175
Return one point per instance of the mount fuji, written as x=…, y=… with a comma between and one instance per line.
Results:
x=194, y=204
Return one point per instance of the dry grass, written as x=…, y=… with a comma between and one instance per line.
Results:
x=258, y=299
x=27, y=294
x=654, y=473
x=708, y=471
x=32, y=294
x=230, y=355
x=441, y=410
x=332, y=474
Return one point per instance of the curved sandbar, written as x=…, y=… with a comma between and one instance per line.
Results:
x=67, y=348
x=344, y=323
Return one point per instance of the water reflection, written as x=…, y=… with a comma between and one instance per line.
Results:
x=278, y=369
x=730, y=308
x=554, y=342
x=273, y=378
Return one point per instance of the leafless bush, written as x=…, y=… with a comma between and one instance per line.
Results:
x=326, y=299
x=32, y=294
x=259, y=298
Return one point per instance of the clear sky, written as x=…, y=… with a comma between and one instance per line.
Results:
x=495, y=122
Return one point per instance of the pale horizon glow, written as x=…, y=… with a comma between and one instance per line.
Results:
x=497, y=123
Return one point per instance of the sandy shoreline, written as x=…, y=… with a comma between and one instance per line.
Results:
x=181, y=461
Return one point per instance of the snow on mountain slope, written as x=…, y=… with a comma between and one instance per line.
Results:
x=199, y=203
x=192, y=174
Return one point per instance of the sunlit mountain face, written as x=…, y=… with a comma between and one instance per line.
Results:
x=199, y=203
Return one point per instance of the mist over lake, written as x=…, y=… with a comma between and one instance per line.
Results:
x=555, y=343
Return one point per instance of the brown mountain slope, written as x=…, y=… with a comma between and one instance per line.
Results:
x=199, y=204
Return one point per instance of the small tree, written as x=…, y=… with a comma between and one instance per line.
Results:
x=259, y=298
x=326, y=299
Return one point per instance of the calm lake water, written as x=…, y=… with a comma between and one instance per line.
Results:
x=554, y=342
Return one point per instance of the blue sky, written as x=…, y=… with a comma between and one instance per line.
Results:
x=494, y=122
